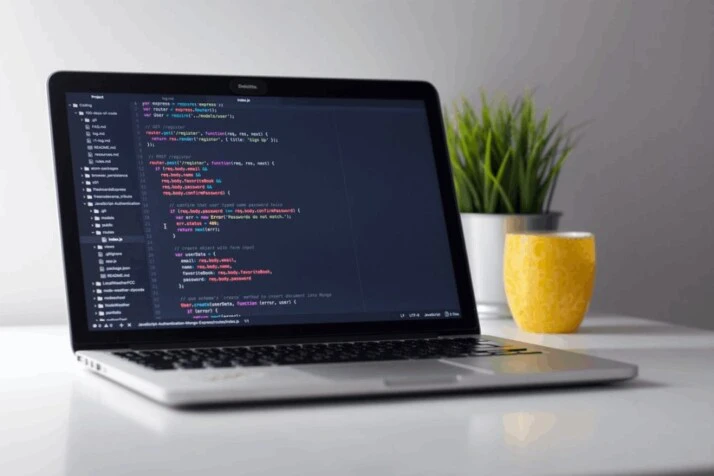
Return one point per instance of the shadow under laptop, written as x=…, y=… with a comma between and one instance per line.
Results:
x=436, y=397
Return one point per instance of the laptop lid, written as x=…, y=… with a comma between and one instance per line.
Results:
x=198, y=209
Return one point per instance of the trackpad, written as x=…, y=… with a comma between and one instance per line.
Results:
x=393, y=373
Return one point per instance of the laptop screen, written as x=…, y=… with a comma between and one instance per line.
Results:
x=205, y=211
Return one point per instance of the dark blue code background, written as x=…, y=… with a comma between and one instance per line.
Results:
x=222, y=211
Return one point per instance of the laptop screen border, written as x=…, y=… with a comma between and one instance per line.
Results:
x=63, y=82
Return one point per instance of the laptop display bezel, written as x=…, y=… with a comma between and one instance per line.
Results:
x=61, y=83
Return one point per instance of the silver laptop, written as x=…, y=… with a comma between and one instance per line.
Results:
x=243, y=239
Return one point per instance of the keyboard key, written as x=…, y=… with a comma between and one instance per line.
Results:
x=190, y=364
x=219, y=363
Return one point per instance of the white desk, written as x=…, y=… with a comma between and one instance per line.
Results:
x=58, y=419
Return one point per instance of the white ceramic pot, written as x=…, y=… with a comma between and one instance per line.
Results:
x=485, y=236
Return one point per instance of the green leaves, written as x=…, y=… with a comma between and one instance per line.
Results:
x=505, y=159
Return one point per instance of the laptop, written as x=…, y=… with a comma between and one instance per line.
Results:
x=254, y=239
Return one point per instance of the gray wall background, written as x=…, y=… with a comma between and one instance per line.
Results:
x=641, y=71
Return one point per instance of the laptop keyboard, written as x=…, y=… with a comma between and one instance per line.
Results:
x=299, y=354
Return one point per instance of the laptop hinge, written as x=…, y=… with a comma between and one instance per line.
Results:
x=459, y=334
x=278, y=341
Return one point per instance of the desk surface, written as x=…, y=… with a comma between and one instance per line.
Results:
x=56, y=418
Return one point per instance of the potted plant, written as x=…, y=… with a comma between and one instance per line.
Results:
x=505, y=160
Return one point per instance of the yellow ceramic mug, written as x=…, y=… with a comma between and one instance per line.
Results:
x=549, y=279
